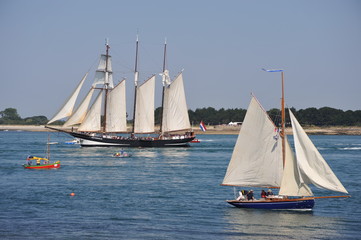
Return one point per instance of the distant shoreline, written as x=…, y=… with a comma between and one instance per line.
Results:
x=217, y=129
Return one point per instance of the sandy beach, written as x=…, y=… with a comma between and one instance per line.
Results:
x=217, y=129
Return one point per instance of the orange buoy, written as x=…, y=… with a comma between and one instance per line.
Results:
x=72, y=194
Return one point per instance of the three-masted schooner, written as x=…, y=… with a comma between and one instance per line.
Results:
x=263, y=158
x=105, y=122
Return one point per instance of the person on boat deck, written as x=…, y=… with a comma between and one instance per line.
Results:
x=37, y=161
x=241, y=195
x=263, y=194
x=250, y=195
x=269, y=192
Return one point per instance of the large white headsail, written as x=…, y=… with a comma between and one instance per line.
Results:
x=175, y=111
x=256, y=160
x=144, y=109
x=91, y=121
x=79, y=115
x=116, y=120
x=68, y=107
x=292, y=183
x=313, y=167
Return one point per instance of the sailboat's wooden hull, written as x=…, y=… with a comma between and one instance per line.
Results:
x=96, y=141
x=280, y=204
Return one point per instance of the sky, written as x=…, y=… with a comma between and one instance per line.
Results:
x=221, y=46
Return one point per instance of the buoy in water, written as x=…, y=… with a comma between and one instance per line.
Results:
x=72, y=194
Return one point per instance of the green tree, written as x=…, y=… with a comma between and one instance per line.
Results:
x=10, y=116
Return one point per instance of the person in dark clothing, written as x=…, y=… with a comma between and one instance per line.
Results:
x=269, y=192
x=250, y=195
x=263, y=194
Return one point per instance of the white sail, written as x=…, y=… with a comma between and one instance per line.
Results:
x=175, y=111
x=102, y=63
x=92, y=120
x=313, y=167
x=116, y=119
x=79, y=115
x=292, y=183
x=68, y=107
x=103, y=74
x=256, y=159
x=144, y=109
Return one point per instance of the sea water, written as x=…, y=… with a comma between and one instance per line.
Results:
x=164, y=193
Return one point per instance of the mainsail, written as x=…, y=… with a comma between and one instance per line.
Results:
x=116, y=119
x=313, y=167
x=144, y=108
x=68, y=107
x=175, y=111
x=256, y=159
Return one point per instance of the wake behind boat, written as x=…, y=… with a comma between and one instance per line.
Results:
x=263, y=158
x=105, y=122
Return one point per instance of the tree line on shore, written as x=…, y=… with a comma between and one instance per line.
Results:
x=324, y=116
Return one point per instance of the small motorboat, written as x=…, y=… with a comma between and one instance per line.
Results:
x=74, y=141
x=122, y=154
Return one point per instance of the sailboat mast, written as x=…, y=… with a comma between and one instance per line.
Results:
x=164, y=83
x=106, y=85
x=283, y=114
x=48, y=148
x=283, y=120
x=135, y=81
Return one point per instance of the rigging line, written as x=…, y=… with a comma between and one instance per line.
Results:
x=94, y=63
x=121, y=61
x=153, y=60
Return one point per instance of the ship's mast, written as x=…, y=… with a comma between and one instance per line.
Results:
x=164, y=85
x=283, y=120
x=48, y=148
x=136, y=75
x=283, y=114
x=106, y=85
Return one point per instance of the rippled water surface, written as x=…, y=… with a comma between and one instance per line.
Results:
x=158, y=193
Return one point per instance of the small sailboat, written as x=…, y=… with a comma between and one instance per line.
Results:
x=263, y=158
x=105, y=120
x=34, y=162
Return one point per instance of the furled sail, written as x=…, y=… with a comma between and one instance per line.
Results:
x=313, y=167
x=292, y=183
x=79, y=114
x=68, y=107
x=175, y=111
x=144, y=108
x=92, y=120
x=116, y=119
x=256, y=159
x=104, y=74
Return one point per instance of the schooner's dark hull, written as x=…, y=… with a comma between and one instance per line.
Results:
x=97, y=141
x=88, y=140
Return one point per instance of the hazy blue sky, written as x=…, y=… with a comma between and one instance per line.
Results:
x=47, y=46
